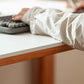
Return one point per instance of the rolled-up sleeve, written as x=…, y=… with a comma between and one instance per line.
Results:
x=63, y=26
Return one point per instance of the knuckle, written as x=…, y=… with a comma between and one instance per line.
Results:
x=24, y=9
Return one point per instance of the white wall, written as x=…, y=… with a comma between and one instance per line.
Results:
x=69, y=67
x=19, y=73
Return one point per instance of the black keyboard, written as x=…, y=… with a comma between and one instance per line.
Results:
x=7, y=25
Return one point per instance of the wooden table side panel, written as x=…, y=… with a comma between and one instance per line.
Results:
x=46, y=70
x=33, y=55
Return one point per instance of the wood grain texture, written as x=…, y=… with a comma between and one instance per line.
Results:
x=46, y=70
x=33, y=55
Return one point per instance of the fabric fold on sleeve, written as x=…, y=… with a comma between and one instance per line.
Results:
x=63, y=26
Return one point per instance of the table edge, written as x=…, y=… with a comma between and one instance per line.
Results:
x=34, y=55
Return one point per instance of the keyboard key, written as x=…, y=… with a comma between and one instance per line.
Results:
x=7, y=21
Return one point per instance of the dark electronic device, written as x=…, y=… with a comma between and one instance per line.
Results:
x=7, y=25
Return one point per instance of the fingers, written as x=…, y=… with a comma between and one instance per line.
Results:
x=17, y=17
x=14, y=16
x=79, y=7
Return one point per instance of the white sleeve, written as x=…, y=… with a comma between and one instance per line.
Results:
x=73, y=33
x=66, y=27
x=42, y=21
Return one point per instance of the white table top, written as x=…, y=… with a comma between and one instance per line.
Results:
x=11, y=45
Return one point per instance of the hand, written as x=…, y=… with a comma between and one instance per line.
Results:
x=80, y=7
x=19, y=16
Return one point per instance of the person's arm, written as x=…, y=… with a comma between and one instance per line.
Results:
x=66, y=27
x=81, y=6
x=41, y=21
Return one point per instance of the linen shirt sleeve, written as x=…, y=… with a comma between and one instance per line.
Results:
x=63, y=26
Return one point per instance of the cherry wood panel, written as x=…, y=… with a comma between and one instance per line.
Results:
x=46, y=70
x=33, y=55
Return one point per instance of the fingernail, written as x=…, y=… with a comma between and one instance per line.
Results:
x=13, y=18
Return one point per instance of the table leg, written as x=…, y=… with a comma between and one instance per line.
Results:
x=46, y=70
